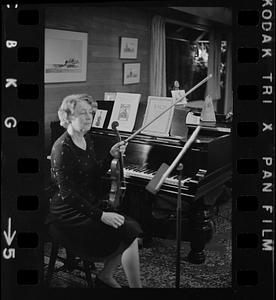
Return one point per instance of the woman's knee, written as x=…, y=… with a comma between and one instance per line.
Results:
x=128, y=246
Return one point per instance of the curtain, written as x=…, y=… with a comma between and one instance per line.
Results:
x=228, y=99
x=214, y=61
x=158, y=57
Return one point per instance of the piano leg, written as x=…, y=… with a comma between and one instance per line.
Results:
x=201, y=230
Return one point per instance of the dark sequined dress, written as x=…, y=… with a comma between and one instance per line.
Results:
x=76, y=207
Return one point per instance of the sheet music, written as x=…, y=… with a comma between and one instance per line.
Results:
x=155, y=106
x=110, y=96
x=125, y=111
x=192, y=119
x=178, y=94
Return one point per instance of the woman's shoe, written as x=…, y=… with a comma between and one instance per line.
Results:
x=102, y=285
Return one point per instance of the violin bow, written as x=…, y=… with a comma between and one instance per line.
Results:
x=163, y=112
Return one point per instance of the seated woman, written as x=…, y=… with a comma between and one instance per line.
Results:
x=76, y=209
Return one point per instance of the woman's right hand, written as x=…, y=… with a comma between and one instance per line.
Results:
x=117, y=148
x=112, y=219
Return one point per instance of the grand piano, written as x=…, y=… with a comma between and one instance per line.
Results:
x=207, y=168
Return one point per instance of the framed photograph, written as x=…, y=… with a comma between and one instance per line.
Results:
x=99, y=118
x=105, y=106
x=65, y=56
x=128, y=48
x=131, y=73
x=155, y=106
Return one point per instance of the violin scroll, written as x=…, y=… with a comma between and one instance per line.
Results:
x=114, y=125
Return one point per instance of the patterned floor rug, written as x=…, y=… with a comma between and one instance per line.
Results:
x=158, y=262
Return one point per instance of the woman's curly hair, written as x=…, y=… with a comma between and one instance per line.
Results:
x=68, y=105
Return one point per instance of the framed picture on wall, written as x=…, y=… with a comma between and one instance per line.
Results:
x=128, y=48
x=65, y=56
x=131, y=73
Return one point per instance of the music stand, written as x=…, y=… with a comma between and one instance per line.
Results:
x=178, y=226
x=155, y=184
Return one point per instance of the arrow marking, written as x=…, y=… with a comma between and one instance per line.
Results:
x=9, y=238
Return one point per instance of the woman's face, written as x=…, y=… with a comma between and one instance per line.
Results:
x=83, y=116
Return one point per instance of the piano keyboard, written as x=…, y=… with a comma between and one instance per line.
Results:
x=144, y=173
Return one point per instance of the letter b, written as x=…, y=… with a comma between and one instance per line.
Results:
x=11, y=44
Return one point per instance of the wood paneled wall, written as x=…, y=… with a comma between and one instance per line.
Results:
x=105, y=26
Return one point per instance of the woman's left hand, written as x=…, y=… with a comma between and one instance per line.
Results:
x=117, y=148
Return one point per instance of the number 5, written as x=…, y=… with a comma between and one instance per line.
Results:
x=9, y=253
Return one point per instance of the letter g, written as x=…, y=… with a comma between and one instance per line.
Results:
x=10, y=122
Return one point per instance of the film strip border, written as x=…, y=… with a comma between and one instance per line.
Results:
x=22, y=202
x=23, y=197
x=253, y=151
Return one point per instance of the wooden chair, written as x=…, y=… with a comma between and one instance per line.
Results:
x=72, y=261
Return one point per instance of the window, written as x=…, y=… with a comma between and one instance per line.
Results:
x=187, y=59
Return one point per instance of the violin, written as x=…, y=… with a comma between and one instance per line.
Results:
x=118, y=185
